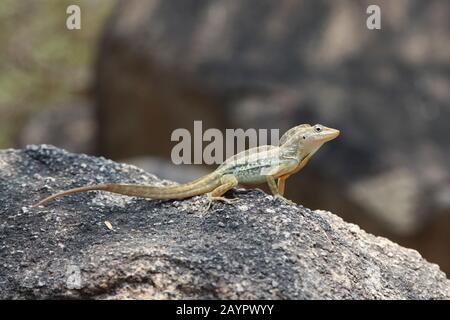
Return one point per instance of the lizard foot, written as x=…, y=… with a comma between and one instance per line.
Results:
x=212, y=199
x=283, y=199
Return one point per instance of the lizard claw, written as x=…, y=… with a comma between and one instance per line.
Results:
x=283, y=199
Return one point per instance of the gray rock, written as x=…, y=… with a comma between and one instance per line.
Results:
x=256, y=248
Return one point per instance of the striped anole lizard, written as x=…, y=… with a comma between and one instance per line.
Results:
x=264, y=164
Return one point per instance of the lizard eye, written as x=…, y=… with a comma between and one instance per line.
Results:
x=304, y=137
x=318, y=129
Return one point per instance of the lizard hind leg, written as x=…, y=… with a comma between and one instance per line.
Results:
x=227, y=182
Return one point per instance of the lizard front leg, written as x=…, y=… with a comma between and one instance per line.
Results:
x=275, y=191
x=228, y=182
x=282, y=179
x=282, y=183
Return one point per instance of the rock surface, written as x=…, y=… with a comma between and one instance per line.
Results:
x=256, y=248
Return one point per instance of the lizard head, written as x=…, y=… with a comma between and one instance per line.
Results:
x=308, y=138
x=319, y=134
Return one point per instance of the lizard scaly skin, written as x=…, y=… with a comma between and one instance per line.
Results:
x=264, y=164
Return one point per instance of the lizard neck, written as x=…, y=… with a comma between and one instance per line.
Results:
x=292, y=152
x=298, y=152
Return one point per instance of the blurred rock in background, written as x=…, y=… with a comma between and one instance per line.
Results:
x=70, y=126
x=275, y=64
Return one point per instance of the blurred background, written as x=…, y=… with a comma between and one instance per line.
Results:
x=137, y=70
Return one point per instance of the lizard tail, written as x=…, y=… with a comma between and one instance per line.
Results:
x=70, y=191
x=196, y=187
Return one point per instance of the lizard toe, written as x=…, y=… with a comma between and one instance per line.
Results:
x=283, y=199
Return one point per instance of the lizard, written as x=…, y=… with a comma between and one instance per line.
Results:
x=264, y=164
